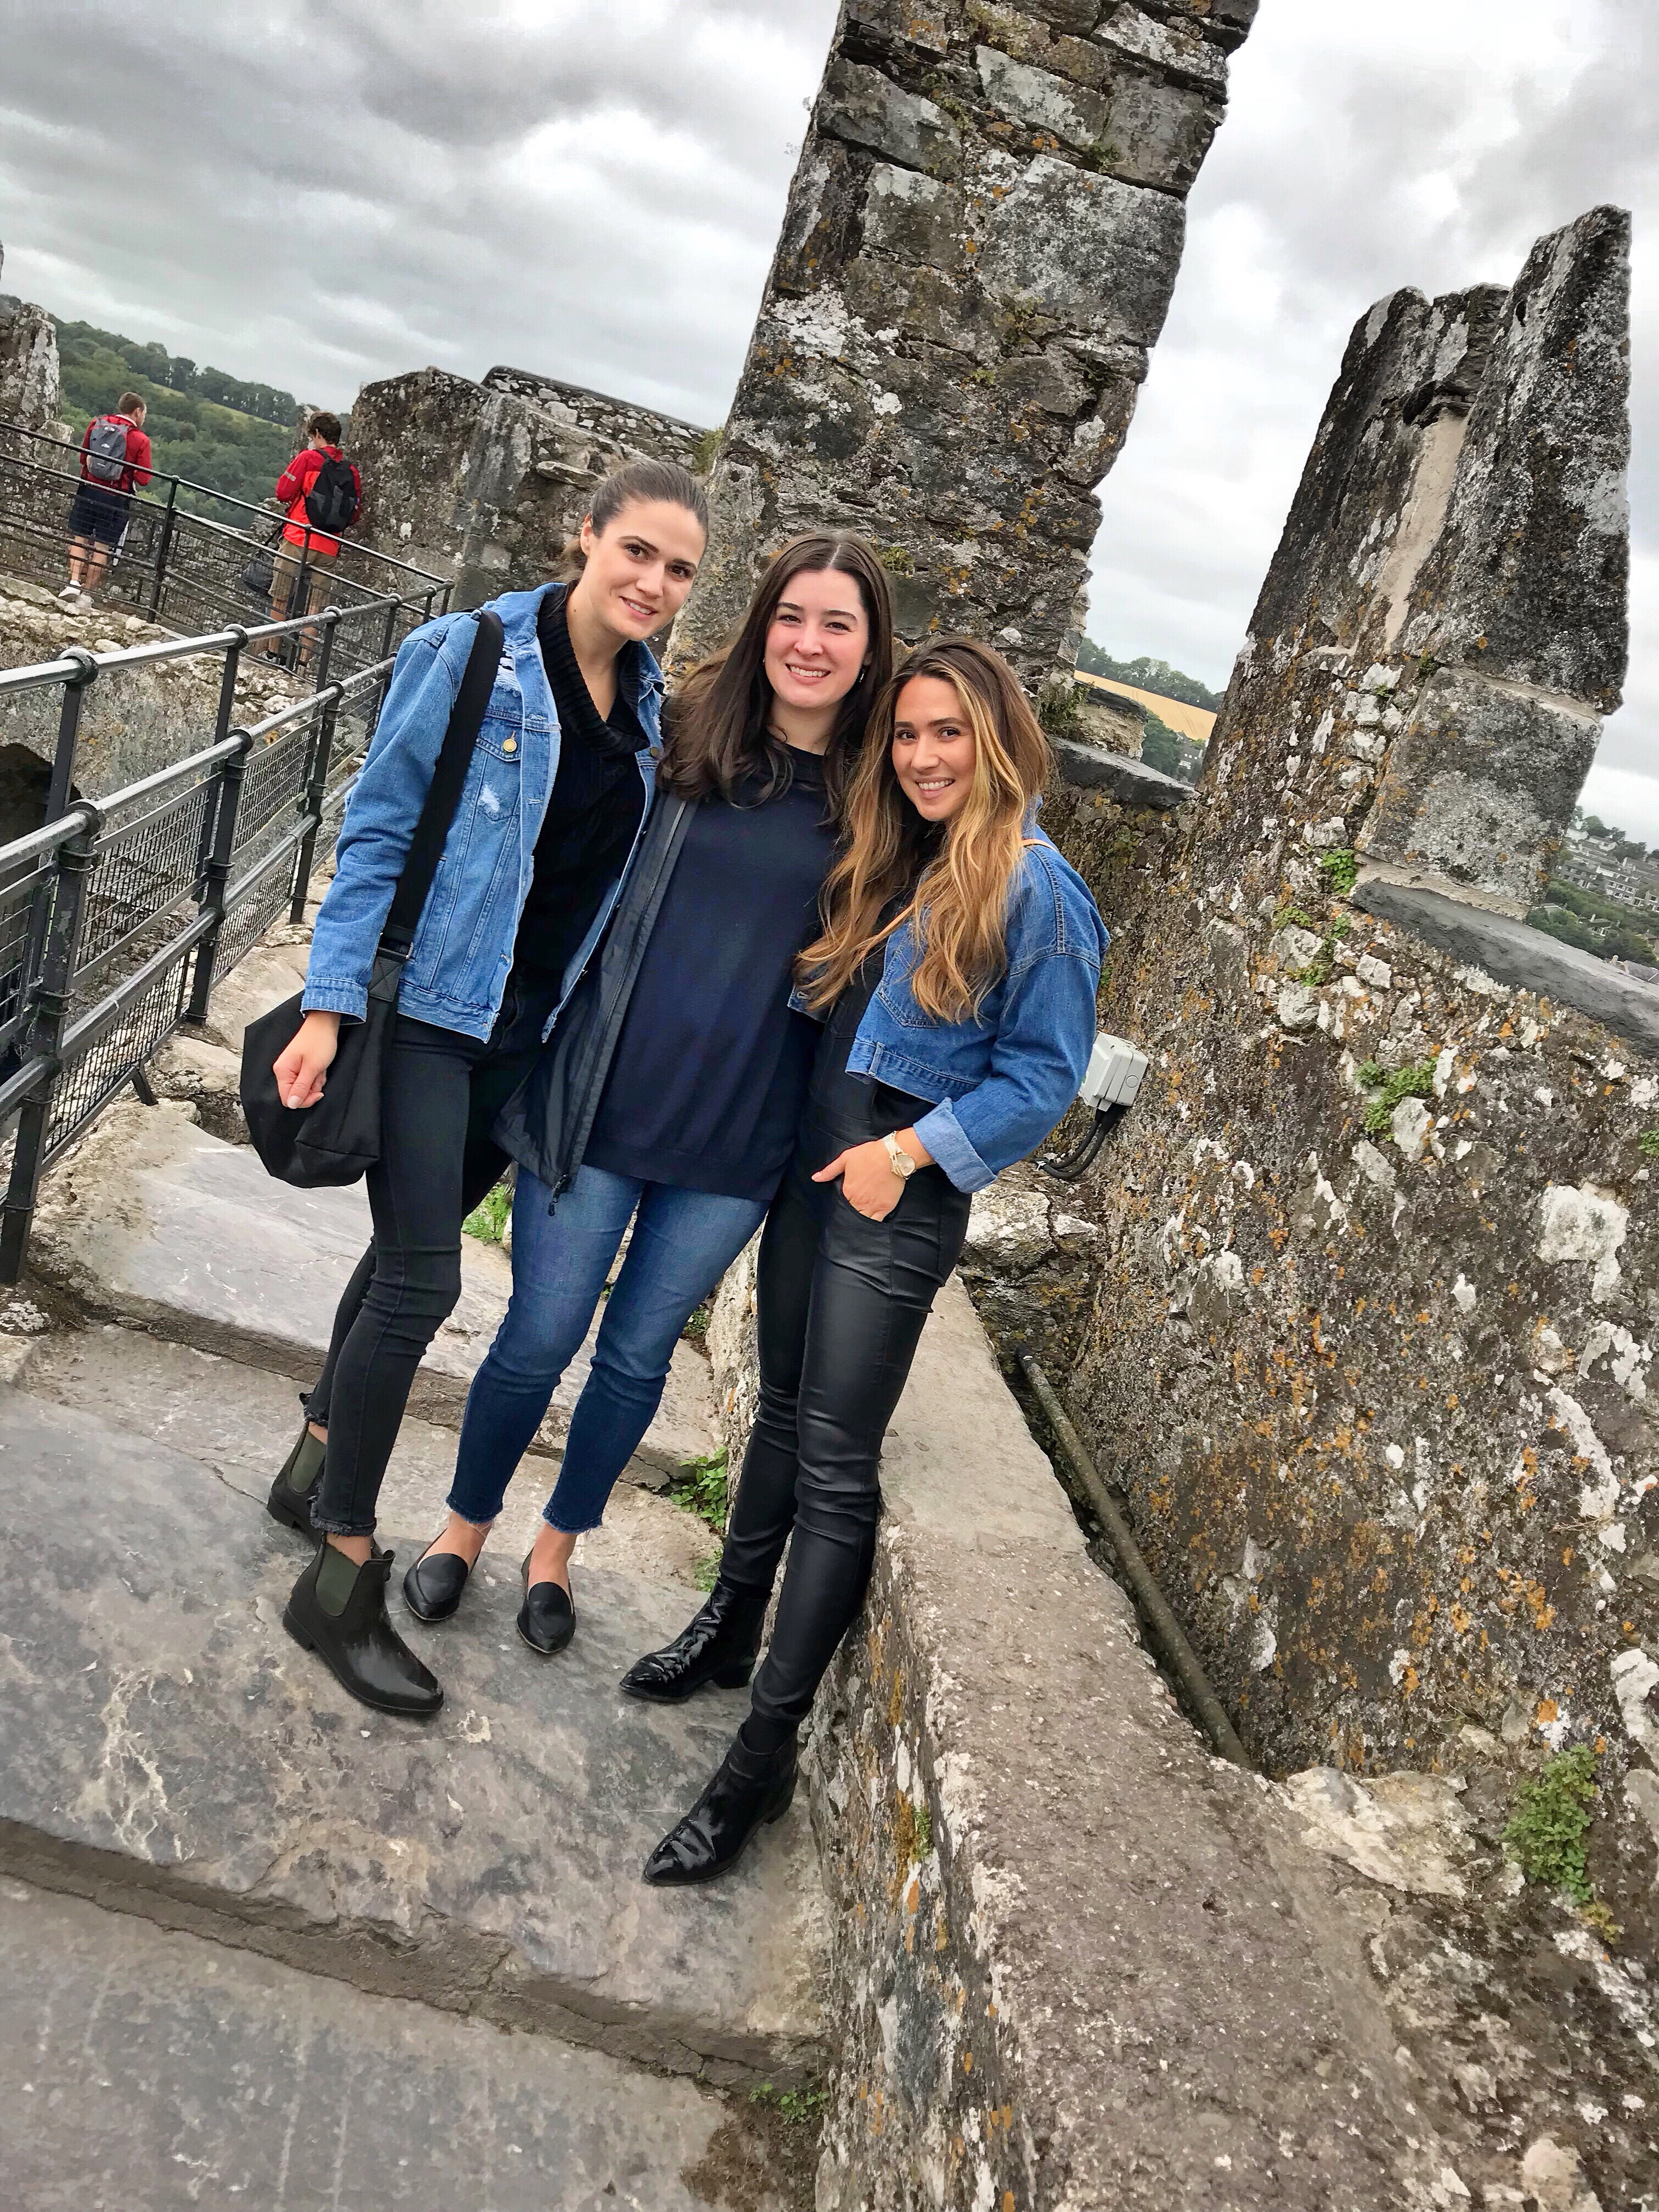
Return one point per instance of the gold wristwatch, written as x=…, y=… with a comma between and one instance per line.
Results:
x=898, y=1160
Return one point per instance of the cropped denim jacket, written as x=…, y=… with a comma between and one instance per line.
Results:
x=1001, y=1079
x=457, y=974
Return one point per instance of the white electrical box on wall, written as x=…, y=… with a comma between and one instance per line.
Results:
x=1114, y=1074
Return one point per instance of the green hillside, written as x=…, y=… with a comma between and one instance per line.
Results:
x=1147, y=674
x=217, y=430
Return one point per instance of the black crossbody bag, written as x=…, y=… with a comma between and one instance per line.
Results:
x=338, y=1138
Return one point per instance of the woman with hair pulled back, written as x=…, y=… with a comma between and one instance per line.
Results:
x=670, y=1094
x=955, y=977
x=559, y=785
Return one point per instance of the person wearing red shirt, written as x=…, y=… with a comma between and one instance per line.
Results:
x=115, y=457
x=303, y=539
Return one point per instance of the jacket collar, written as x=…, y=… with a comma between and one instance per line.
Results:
x=519, y=612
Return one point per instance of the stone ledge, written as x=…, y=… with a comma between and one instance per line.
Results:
x=1130, y=780
x=1077, y=1961
x=1526, y=959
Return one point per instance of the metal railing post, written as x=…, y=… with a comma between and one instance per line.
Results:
x=231, y=772
x=51, y=990
x=164, y=546
x=69, y=732
x=322, y=753
x=227, y=708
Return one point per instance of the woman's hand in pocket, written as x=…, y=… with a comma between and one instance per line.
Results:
x=867, y=1180
x=300, y=1070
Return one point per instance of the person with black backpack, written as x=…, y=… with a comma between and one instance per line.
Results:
x=115, y=456
x=322, y=492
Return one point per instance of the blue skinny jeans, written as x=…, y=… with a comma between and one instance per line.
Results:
x=684, y=1241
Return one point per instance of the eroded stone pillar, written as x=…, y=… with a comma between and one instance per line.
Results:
x=981, y=243
x=29, y=392
x=1444, y=625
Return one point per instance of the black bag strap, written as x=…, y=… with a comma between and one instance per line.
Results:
x=448, y=778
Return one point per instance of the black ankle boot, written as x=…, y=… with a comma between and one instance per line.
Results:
x=295, y=1487
x=718, y=1647
x=337, y=1610
x=750, y=1789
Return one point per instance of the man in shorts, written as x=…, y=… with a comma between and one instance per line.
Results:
x=115, y=457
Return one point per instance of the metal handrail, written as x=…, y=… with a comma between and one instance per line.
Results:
x=69, y=668
x=267, y=515
x=132, y=895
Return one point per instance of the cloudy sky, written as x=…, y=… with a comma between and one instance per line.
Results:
x=316, y=194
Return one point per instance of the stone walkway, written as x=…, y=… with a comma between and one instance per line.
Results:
x=264, y=1944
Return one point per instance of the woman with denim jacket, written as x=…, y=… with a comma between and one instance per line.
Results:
x=671, y=1093
x=956, y=976
x=557, y=788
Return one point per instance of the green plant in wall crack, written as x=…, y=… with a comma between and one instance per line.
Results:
x=700, y=1488
x=801, y=2107
x=489, y=1216
x=1648, y=1144
x=1399, y=1083
x=1060, y=713
x=1549, y=1826
x=1340, y=870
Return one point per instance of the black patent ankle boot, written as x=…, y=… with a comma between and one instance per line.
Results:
x=295, y=1486
x=718, y=1647
x=750, y=1790
x=337, y=1610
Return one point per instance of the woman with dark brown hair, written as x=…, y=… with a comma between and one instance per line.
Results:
x=670, y=1093
x=955, y=977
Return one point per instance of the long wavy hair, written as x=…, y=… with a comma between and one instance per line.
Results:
x=720, y=735
x=954, y=877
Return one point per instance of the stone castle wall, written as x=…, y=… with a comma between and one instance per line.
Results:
x=486, y=483
x=981, y=243
x=1375, y=1296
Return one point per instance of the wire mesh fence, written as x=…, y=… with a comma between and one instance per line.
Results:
x=117, y=917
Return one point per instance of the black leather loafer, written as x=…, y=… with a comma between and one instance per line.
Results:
x=295, y=1486
x=547, y=1619
x=337, y=1610
x=747, y=1793
x=718, y=1646
x=433, y=1586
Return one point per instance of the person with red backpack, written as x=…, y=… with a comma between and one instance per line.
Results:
x=115, y=457
x=322, y=492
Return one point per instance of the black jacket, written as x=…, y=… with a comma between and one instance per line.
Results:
x=546, y=1123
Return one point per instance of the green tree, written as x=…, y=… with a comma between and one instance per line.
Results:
x=1159, y=746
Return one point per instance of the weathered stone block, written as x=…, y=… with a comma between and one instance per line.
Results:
x=867, y=109
x=1529, y=576
x=1477, y=787
x=913, y=217
x=29, y=387
x=1091, y=251
x=1169, y=46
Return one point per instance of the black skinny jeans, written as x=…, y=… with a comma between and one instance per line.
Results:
x=442, y=1094
x=842, y=1301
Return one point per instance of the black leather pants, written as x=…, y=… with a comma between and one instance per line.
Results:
x=842, y=1300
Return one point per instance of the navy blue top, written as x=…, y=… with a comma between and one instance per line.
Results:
x=711, y=1068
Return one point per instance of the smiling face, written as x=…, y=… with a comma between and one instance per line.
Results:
x=817, y=641
x=934, y=749
x=641, y=566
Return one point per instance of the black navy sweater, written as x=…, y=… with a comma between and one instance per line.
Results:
x=592, y=810
x=711, y=1068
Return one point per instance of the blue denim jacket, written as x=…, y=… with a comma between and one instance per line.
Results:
x=1001, y=1079
x=457, y=974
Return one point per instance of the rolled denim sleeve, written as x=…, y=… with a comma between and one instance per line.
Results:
x=1042, y=1051
x=380, y=821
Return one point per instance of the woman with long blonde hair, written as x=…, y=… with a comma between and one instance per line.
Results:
x=955, y=977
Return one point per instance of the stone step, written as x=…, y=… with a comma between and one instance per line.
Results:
x=163, y=1741
x=145, y=2070
x=154, y=1222
x=239, y=1421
